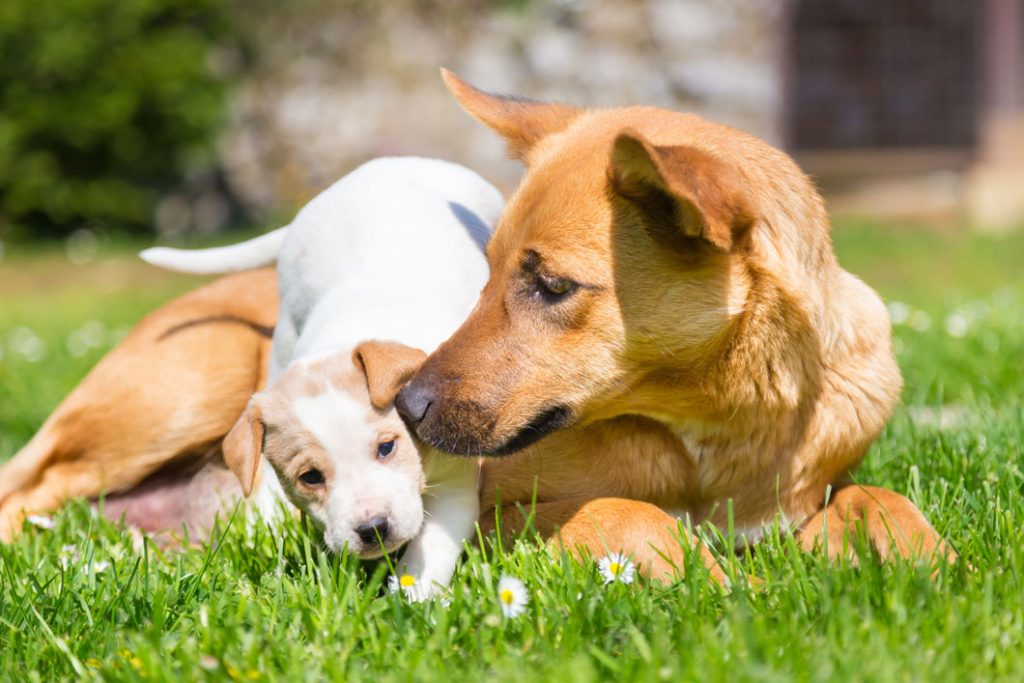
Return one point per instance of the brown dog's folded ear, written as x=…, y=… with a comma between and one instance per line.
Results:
x=387, y=366
x=696, y=193
x=523, y=123
x=243, y=447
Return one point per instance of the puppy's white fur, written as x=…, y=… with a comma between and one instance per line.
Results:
x=393, y=251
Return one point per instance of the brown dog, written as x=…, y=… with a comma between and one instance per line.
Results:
x=145, y=425
x=665, y=330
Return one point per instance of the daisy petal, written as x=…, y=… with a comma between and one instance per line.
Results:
x=512, y=596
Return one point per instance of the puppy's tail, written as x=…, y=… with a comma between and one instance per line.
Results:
x=254, y=253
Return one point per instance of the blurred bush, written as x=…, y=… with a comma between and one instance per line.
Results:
x=105, y=105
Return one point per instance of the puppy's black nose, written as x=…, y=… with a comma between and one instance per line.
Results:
x=374, y=530
x=414, y=401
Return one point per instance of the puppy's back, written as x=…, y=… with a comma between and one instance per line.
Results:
x=397, y=246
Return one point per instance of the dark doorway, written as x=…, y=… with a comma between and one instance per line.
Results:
x=878, y=74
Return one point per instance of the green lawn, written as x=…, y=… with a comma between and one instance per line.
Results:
x=272, y=606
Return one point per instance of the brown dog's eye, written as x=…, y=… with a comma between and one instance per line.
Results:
x=312, y=477
x=554, y=288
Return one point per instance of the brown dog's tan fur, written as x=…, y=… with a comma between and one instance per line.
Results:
x=171, y=390
x=713, y=352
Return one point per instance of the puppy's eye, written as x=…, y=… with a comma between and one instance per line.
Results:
x=554, y=289
x=312, y=477
x=385, y=448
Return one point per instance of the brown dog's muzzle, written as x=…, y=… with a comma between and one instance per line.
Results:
x=447, y=423
x=434, y=409
x=414, y=401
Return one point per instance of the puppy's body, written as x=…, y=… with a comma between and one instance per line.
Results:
x=407, y=264
x=666, y=311
x=392, y=251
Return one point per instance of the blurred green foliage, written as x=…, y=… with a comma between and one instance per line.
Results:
x=104, y=105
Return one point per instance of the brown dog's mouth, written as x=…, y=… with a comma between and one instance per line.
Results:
x=461, y=427
x=543, y=424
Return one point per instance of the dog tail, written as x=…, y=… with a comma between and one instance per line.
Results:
x=259, y=251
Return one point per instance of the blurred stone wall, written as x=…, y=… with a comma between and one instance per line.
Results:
x=337, y=83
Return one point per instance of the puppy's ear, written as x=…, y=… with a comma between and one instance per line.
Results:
x=243, y=447
x=683, y=192
x=387, y=366
x=522, y=123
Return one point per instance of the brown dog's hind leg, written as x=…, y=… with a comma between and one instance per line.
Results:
x=58, y=483
x=643, y=532
x=893, y=525
x=171, y=389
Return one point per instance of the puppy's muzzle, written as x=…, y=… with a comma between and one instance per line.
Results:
x=373, y=531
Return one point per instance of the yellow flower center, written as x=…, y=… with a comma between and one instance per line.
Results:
x=507, y=597
x=407, y=581
x=615, y=568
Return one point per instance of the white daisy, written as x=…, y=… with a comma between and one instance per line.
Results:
x=616, y=567
x=41, y=521
x=406, y=584
x=513, y=596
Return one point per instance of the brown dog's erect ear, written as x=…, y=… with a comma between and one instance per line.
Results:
x=522, y=123
x=387, y=366
x=697, y=193
x=243, y=447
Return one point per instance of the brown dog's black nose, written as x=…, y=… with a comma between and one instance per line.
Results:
x=414, y=401
x=373, y=530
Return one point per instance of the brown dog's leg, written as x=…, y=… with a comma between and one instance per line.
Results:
x=171, y=389
x=59, y=482
x=892, y=524
x=644, y=532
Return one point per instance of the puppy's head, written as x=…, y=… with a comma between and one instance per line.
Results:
x=615, y=272
x=343, y=455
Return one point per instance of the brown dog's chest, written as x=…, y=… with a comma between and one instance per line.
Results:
x=640, y=459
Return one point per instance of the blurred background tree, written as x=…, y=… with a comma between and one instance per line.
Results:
x=104, y=106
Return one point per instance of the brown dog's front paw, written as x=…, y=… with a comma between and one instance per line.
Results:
x=890, y=522
x=643, y=532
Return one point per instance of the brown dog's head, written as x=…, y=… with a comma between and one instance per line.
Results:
x=616, y=272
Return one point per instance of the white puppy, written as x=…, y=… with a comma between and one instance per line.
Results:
x=393, y=251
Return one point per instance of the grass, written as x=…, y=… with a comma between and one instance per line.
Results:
x=80, y=601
